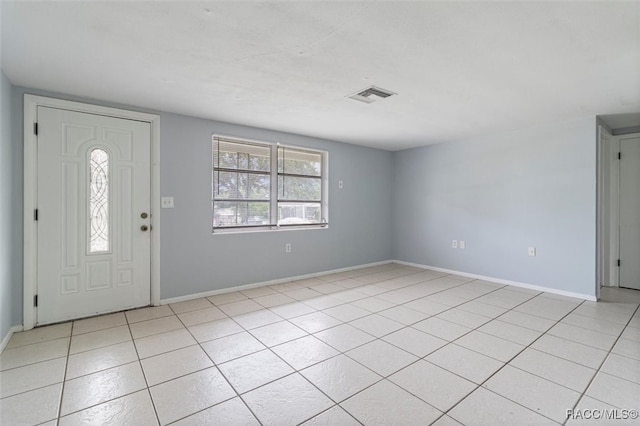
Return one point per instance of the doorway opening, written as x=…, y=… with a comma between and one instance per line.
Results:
x=90, y=237
x=618, y=210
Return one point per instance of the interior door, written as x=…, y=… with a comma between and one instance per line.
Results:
x=93, y=207
x=630, y=213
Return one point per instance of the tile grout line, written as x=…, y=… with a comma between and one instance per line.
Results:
x=598, y=370
x=370, y=313
x=215, y=365
x=400, y=304
x=422, y=358
x=296, y=370
x=481, y=385
x=111, y=368
x=452, y=342
x=383, y=378
x=144, y=374
x=64, y=377
x=128, y=324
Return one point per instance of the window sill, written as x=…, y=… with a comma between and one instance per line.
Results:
x=235, y=231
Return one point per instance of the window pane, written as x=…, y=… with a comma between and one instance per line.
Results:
x=297, y=188
x=296, y=162
x=238, y=213
x=230, y=185
x=298, y=213
x=258, y=186
x=241, y=156
x=258, y=213
x=225, y=185
x=224, y=213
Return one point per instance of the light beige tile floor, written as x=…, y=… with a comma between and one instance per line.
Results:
x=377, y=346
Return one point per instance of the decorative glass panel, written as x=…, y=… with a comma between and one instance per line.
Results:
x=98, y=201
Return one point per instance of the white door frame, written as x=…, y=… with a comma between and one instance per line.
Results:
x=31, y=104
x=609, y=207
x=607, y=249
x=614, y=213
x=616, y=199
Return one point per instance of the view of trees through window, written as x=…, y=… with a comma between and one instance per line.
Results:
x=244, y=176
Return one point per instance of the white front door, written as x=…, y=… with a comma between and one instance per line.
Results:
x=630, y=212
x=93, y=214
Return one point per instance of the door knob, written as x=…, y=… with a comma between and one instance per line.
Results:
x=143, y=228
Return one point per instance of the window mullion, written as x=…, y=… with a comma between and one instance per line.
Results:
x=273, y=210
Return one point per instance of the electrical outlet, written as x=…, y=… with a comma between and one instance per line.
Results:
x=166, y=202
x=531, y=251
x=287, y=248
x=463, y=245
x=454, y=244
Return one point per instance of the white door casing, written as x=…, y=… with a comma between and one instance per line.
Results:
x=603, y=198
x=630, y=213
x=72, y=276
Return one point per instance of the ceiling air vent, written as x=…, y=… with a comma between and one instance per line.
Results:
x=371, y=94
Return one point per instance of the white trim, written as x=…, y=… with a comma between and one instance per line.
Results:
x=501, y=281
x=31, y=104
x=614, y=214
x=5, y=341
x=604, y=251
x=155, y=211
x=610, y=231
x=266, y=283
x=615, y=206
x=368, y=265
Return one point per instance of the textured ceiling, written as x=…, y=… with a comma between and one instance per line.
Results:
x=460, y=69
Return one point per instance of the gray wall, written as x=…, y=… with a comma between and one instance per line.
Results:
x=10, y=267
x=193, y=260
x=502, y=194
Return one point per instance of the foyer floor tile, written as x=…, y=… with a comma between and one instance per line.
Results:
x=387, y=345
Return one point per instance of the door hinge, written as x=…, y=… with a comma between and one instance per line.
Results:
x=35, y=214
x=618, y=263
x=35, y=300
x=619, y=156
x=35, y=128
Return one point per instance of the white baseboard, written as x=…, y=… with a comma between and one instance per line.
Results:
x=368, y=265
x=5, y=341
x=503, y=281
x=271, y=282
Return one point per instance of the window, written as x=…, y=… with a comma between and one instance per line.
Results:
x=259, y=185
x=98, y=201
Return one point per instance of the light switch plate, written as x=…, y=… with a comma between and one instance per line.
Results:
x=166, y=202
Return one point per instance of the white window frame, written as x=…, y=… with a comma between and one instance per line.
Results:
x=273, y=194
